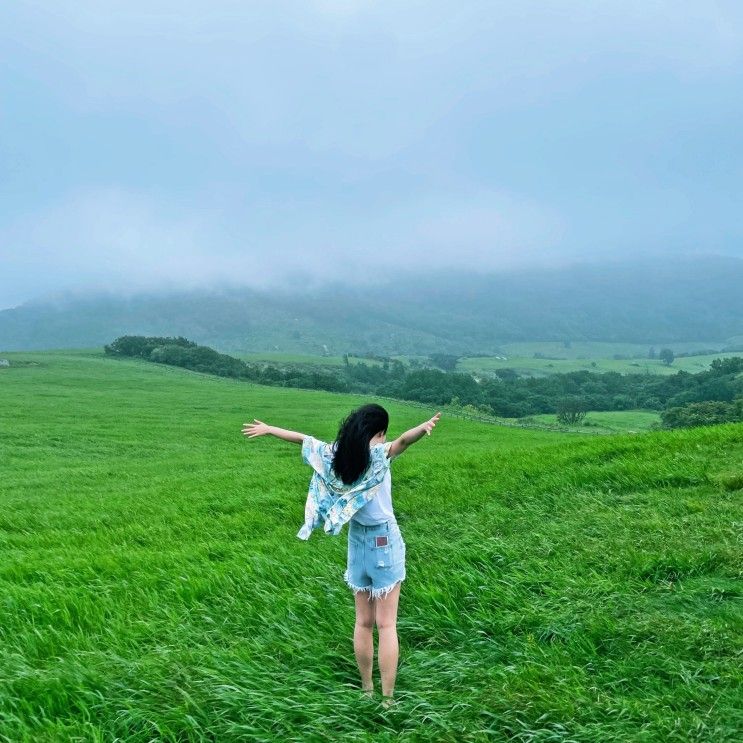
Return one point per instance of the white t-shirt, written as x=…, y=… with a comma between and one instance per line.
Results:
x=379, y=508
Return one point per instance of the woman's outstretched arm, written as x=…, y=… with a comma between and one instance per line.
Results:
x=259, y=428
x=402, y=442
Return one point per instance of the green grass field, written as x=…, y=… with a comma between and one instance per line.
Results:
x=278, y=357
x=529, y=366
x=603, y=421
x=559, y=588
x=594, y=357
x=603, y=350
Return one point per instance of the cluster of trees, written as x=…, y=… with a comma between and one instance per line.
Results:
x=703, y=414
x=188, y=355
x=571, y=410
x=142, y=346
x=445, y=361
x=685, y=398
x=176, y=352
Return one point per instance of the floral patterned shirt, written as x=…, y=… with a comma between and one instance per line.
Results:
x=330, y=501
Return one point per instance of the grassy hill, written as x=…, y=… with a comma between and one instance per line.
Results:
x=594, y=358
x=692, y=303
x=600, y=421
x=152, y=586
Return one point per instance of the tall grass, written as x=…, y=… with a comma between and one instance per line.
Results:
x=152, y=587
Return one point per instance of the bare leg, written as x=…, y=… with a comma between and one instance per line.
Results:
x=363, y=638
x=386, y=619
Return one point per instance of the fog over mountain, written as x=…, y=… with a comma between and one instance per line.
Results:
x=649, y=301
x=185, y=144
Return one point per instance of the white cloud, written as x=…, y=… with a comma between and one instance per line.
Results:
x=249, y=141
x=123, y=241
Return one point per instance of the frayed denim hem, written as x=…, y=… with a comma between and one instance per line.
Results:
x=374, y=593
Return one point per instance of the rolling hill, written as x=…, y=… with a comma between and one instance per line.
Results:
x=694, y=302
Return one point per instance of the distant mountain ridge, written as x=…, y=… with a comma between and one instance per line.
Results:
x=653, y=301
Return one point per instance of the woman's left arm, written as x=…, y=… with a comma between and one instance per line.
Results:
x=259, y=428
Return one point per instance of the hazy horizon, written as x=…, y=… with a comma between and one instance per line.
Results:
x=306, y=285
x=190, y=145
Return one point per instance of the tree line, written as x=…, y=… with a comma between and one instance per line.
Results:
x=683, y=399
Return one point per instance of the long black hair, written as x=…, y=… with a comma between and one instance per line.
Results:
x=352, y=457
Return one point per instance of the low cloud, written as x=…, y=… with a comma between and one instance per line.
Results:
x=121, y=241
x=184, y=144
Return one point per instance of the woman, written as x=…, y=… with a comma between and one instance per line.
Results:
x=351, y=482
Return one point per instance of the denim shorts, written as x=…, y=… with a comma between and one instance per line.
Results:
x=376, y=558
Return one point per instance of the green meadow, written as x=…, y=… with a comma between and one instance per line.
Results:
x=279, y=357
x=604, y=349
x=581, y=356
x=536, y=367
x=559, y=587
x=602, y=421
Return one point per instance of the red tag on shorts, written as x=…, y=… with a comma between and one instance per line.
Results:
x=381, y=541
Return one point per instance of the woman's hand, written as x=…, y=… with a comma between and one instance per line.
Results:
x=429, y=424
x=402, y=442
x=258, y=428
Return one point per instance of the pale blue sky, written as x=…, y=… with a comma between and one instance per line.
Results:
x=178, y=143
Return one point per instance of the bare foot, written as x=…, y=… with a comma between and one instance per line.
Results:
x=388, y=702
x=369, y=693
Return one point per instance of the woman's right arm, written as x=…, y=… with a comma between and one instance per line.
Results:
x=259, y=428
x=402, y=442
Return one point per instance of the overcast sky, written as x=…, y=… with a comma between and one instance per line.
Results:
x=147, y=144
